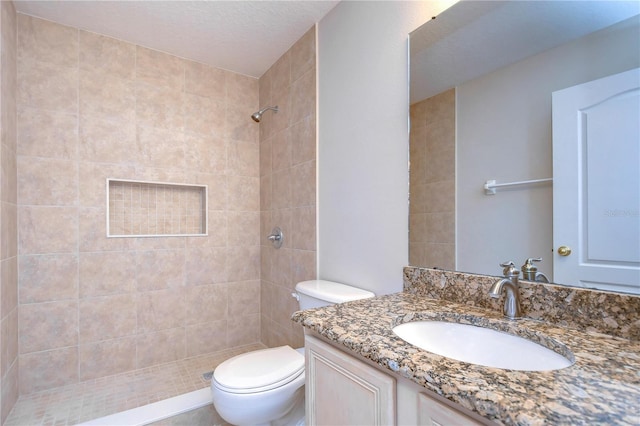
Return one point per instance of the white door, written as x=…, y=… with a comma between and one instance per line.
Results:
x=596, y=183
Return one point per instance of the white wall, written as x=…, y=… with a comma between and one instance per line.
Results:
x=504, y=133
x=363, y=107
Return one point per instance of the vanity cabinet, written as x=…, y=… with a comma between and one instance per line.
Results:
x=343, y=390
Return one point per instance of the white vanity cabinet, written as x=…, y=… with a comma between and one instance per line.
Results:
x=343, y=390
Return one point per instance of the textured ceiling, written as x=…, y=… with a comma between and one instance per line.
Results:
x=473, y=38
x=246, y=37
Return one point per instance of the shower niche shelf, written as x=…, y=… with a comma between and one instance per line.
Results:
x=155, y=209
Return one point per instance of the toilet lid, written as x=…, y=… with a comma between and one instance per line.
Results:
x=260, y=370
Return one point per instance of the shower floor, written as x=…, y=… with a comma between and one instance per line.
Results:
x=72, y=404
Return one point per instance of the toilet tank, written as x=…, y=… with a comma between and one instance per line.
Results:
x=317, y=293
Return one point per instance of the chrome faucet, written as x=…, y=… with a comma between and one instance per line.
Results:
x=510, y=284
x=530, y=271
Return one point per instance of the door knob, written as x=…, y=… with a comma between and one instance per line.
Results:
x=564, y=251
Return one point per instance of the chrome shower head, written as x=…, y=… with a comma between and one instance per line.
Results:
x=256, y=116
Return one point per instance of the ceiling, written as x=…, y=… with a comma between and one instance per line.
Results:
x=246, y=37
x=473, y=38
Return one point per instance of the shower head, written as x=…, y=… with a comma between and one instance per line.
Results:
x=256, y=116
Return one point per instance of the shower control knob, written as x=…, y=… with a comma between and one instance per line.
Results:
x=276, y=237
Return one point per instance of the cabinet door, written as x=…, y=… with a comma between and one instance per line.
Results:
x=341, y=390
x=435, y=413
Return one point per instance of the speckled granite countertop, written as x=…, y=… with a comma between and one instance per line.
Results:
x=601, y=387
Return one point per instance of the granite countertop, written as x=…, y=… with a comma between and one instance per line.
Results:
x=601, y=387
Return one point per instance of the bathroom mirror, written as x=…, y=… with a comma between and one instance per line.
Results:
x=503, y=60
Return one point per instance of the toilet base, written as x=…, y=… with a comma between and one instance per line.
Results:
x=296, y=416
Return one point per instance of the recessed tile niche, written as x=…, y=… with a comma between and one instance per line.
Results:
x=150, y=209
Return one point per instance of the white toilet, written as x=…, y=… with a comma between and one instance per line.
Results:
x=266, y=387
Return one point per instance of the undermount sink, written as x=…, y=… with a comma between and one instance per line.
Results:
x=481, y=346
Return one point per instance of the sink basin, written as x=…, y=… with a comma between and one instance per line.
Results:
x=481, y=346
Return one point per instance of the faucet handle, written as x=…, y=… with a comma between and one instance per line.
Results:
x=529, y=266
x=509, y=269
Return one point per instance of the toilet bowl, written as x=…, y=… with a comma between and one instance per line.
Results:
x=266, y=387
x=260, y=386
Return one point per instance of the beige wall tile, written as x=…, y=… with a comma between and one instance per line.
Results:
x=107, y=55
x=243, y=330
x=281, y=73
x=244, y=228
x=10, y=390
x=205, y=265
x=47, y=181
x=303, y=184
x=244, y=158
x=46, y=41
x=92, y=232
x=281, y=266
x=240, y=127
x=47, y=133
x=244, y=298
x=9, y=291
x=106, y=358
x=217, y=187
x=206, y=81
x=9, y=341
x=9, y=175
x=50, y=325
x=281, y=187
x=303, y=140
x=107, y=96
x=8, y=212
x=160, y=148
x=281, y=120
x=303, y=228
x=242, y=91
x=47, y=229
x=205, y=153
x=46, y=86
x=439, y=255
x=47, y=278
x=302, y=97
x=206, y=303
x=8, y=230
x=48, y=369
x=92, y=181
x=160, y=310
x=206, y=338
x=303, y=54
x=266, y=197
x=159, y=69
x=104, y=318
x=266, y=162
x=203, y=115
x=91, y=108
x=243, y=263
x=304, y=265
x=105, y=273
x=159, y=107
x=281, y=150
x=160, y=347
x=244, y=193
x=159, y=269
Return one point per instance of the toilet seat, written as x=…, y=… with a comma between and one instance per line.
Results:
x=259, y=371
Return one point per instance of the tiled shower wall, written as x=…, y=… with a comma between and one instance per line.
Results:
x=432, y=182
x=91, y=108
x=8, y=213
x=288, y=187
